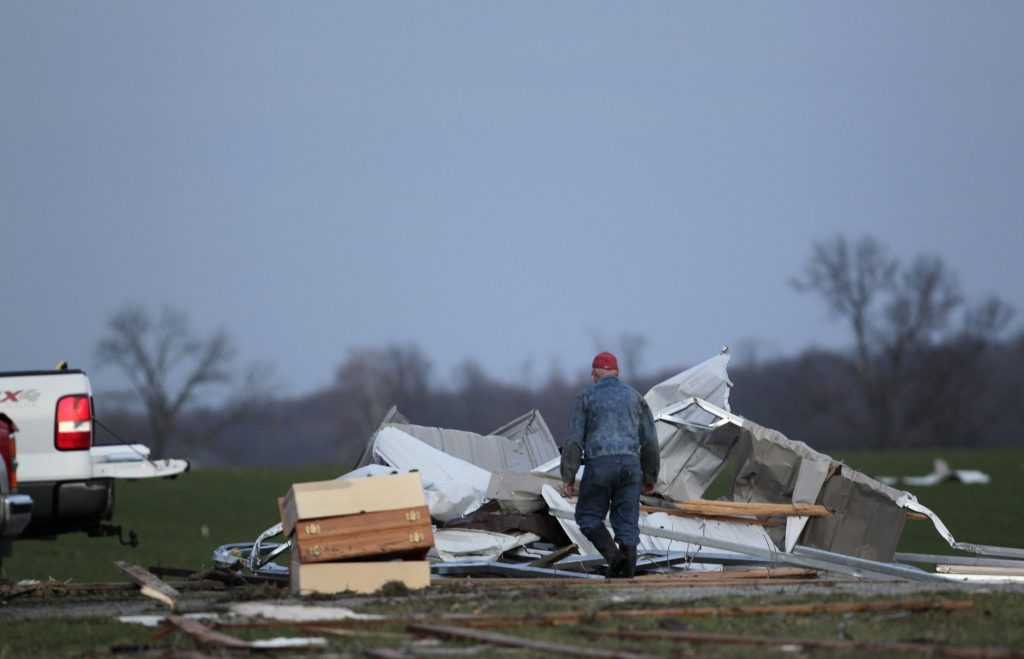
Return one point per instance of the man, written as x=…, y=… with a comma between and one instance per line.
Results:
x=612, y=426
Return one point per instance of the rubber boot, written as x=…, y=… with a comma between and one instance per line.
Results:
x=629, y=558
x=602, y=541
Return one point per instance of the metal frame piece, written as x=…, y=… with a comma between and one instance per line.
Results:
x=257, y=556
x=854, y=564
x=806, y=557
x=911, y=503
x=667, y=414
x=477, y=568
x=936, y=559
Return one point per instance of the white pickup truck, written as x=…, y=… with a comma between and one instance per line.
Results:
x=70, y=481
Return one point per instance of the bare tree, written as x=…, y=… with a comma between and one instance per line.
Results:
x=905, y=320
x=170, y=368
x=371, y=380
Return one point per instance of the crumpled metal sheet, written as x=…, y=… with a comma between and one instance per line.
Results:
x=517, y=492
x=691, y=458
x=708, y=380
x=453, y=487
x=520, y=445
x=692, y=454
x=769, y=467
x=867, y=518
x=533, y=431
x=464, y=544
x=490, y=452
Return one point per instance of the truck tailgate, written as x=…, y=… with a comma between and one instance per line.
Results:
x=132, y=462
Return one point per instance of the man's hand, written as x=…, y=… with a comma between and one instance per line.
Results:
x=648, y=490
x=569, y=489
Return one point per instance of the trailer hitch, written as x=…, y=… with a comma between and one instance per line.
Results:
x=108, y=530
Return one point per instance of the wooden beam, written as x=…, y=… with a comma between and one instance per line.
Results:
x=706, y=507
x=206, y=635
x=351, y=633
x=753, y=521
x=504, y=640
x=150, y=584
x=211, y=637
x=830, y=644
x=555, y=556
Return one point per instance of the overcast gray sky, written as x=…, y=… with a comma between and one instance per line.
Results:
x=502, y=181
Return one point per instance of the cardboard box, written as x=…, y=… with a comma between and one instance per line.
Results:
x=349, y=497
x=369, y=534
x=358, y=577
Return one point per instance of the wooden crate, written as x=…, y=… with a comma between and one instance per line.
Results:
x=358, y=577
x=349, y=497
x=387, y=532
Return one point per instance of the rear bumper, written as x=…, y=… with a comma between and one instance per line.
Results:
x=15, y=514
x=67, y=506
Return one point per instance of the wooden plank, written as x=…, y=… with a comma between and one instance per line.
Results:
x=369, y=534
x=349, y=497
x=747, y=573
x=353, y=633
x=211, y=637
x=504, y=640
x=753, y=521
x=843, y=645
x=705, y=507
x=150, y=584
x=555, y=556
x=206, y=635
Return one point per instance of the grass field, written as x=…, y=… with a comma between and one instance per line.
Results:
x=181, y=521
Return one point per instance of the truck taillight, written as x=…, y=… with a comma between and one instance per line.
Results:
x=12, y=473
x=74, y=423
x=9, y=449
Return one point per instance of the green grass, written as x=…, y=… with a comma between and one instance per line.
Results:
x=982, y=514
x=181, y=521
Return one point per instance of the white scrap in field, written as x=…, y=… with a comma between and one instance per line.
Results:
x=297, y=612
x=941, y=472
x=158, y=620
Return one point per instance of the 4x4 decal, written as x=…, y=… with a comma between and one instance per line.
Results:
x=21, y=397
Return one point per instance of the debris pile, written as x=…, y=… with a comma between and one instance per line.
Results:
x=497, y=507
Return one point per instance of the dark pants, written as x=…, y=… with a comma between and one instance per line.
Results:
x=611, y=481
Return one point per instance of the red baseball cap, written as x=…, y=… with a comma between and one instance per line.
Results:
x=607, y=361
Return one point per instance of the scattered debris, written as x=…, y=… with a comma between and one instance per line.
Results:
x=940, y=474
x=297, y=612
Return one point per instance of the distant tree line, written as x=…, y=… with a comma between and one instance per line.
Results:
x=927, y=367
